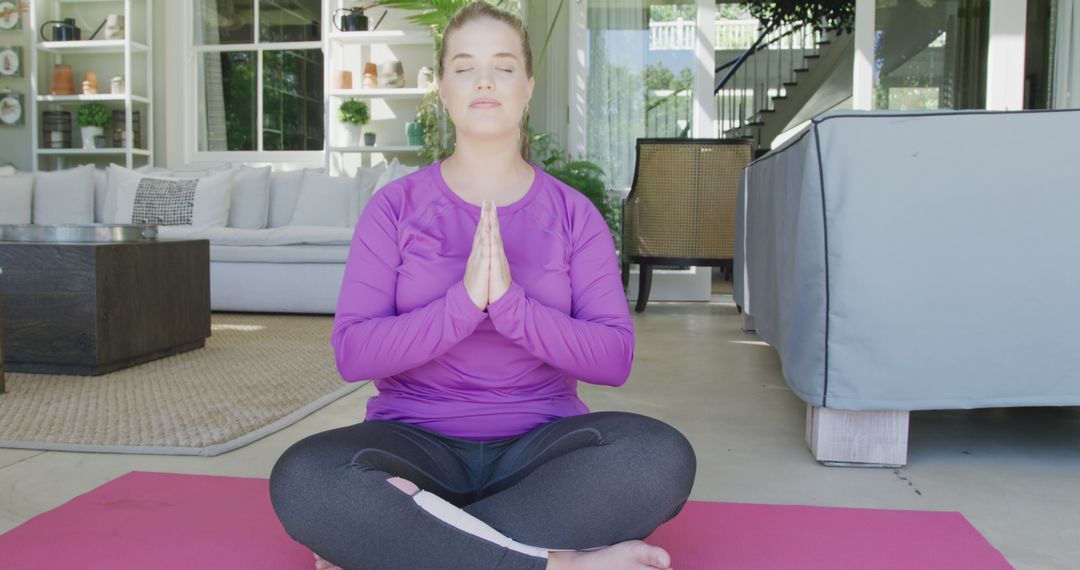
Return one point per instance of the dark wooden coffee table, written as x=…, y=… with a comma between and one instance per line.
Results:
x=92, y=308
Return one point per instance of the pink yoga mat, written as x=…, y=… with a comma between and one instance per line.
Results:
x=168, y=521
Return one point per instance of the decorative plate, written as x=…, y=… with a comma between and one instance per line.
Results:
x=9, y=15
x=10, y=64
x=11, y=110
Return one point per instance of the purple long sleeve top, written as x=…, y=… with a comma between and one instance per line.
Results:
x=405, y=320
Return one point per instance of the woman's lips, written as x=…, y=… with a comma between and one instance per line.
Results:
x=484, y=104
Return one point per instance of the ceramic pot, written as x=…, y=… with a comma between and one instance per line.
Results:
x=90, y=83
x=88, y=135
x=424, y=77
x=369, y=139
x=351, y=134
x=414, y=131
x=391, y=74
x=63, y=80
x=371, y=75
x=341, y=80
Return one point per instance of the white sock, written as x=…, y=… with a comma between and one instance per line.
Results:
x=456, y=517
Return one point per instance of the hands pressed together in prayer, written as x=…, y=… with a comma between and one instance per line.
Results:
x=487, y=272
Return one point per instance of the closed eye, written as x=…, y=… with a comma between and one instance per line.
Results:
x=464, y=70
x=506, y=70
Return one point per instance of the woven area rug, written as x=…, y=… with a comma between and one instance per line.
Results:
x=257, y=374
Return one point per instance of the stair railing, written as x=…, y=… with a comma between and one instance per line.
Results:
x=749, y=84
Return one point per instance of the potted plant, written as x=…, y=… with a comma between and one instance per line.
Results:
x=93, y=119
x=353, y=114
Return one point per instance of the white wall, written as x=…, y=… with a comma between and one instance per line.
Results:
x=15, y=141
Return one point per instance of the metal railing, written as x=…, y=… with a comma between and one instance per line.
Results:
x=748, y=86
x=730, y=35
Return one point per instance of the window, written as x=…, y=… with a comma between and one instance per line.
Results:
x=639, y=78
x=259, y=75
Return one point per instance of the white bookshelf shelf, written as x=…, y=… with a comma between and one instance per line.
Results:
x=91, y=47
x=389, y=37
x=385, y=93
x=85, y=98
x=130, y=58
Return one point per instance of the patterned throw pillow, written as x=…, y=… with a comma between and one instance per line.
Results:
x=164, y=202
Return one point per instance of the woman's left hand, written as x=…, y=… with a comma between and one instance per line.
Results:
x=500, y=266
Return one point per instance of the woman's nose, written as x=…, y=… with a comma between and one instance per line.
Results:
x=484, y=82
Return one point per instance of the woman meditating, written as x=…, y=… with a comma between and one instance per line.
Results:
x=477, y=293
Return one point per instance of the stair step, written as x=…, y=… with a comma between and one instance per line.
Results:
x=754, y=124
x=811, y=56
x=801, y=70
x=779, y=97
x=766, y=110
x=824, y=42
x=790, y=83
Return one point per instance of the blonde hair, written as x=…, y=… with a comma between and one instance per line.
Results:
x=478, y=10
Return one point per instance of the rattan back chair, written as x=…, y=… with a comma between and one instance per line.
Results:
x=681, y=206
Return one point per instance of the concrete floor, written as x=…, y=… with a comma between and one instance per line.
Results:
x=1014, y=473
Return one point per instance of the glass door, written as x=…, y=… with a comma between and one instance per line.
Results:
x=931, y=54
x=642, y=68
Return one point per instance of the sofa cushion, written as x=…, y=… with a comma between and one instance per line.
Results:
x=16, y=198
x=367, y=178
x=250, y=198
x=393, y=171
x=287, y=235
x=142, y=199
x=102, y=211
x=284, y=191
x=325, y=200
x=7, y=170
x=280, y=254
x=64, y=196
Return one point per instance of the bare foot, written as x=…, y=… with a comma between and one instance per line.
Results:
x=406, y=486
x=322, y=564
x=629, y=555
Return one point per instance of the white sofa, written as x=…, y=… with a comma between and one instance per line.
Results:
x=278, y=240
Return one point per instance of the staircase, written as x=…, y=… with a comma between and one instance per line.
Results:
x=787, y=76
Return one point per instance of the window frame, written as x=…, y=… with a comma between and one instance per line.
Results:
x=193, y=82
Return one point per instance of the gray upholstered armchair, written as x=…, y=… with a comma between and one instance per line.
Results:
x=681, y=206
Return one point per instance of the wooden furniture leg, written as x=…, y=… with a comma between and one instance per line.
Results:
x=870, y=438
x=645, y=283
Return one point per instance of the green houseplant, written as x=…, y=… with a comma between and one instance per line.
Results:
x=93, y=119
x=353, y=114
x=582, y=175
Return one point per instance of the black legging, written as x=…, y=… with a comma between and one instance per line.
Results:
x=575, y=483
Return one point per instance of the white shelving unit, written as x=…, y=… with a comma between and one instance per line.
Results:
x=108, y=54
x=336, y=45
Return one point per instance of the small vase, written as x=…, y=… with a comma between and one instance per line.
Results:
x=341, y=80
x=371, y=76
x=369, y=139
x=63, y=80
x=90, y=83
x=414, y=132
x=350, y=134
x=424, y=77
x=88, y=134
x=391, y=74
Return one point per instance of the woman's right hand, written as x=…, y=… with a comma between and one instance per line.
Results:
x=477, y=268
